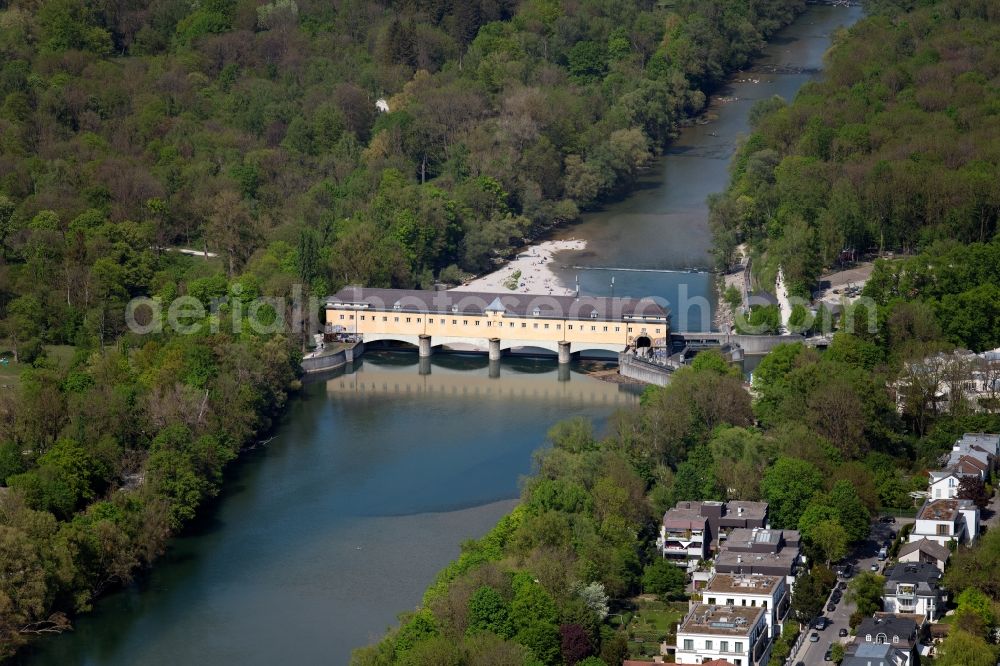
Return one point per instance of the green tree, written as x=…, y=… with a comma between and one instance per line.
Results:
x=866, y=593
x=488, y=611
x=788, y=485
x=961, y=648
x=665, y=579
x=831, y=540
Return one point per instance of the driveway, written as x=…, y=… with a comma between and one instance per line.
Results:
x=862, y=558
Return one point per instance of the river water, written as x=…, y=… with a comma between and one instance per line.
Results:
x=376, y=476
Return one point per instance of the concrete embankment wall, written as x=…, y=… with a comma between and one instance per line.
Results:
x=643, y=371
x=334, y=360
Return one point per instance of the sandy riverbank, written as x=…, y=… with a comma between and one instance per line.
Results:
x=535, y=266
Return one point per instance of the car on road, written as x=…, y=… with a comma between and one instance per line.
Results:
x=841, y=586
x=831, y=607
x=821, y=623
x=837, y=596
x=887, y=519
x=874, y=566
x=843, y=632
x=829, y=655
x=814, y=637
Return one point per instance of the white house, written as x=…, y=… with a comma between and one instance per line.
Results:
x=751, y=591
x=925, y=550
x=944, y=520
x=914, y=588
x=944, y=484
x=736, y=634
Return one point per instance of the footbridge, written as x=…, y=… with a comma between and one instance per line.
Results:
x=494, y=323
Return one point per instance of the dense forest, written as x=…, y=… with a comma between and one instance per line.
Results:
x=253, y=130
x=829, y=439
x=898, y=147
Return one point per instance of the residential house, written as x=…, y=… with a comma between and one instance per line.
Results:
x=753, y=591
x=946, y=520
x=690, y=530
x=760, y=551
x=736, y=634
x=925, y=550
x=684, y=535
x=914, y=587
x=899, y=631
x=875, y=654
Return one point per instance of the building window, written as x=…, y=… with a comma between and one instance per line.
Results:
x=942, y=530
x=570, y=327
x=558, y=327
x=430, y=320
x=546, y=326
x=895, y=639
x=657, y=330
x=477, y=322
x=418, y=320
x=341, y=317
x=524, y=325
x=738, y=647
x=536, y=325
x=764, y=604
x=454, y=322
x=868, y=638
x=730, y=602
x=711, y=600
x=407, y=320
x=593, y=328
x=618, y=329
x=708, y=645
x=723, y=646
x=512, y=324
x=605, y=329
x=489, y=323
x=465, y=322
x=351, y=317
x=688, y=644
x=385, y=319
x=880, y=639
x=744, y=601
x=396, y=318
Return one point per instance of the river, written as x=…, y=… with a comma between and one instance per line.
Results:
x=376, y=476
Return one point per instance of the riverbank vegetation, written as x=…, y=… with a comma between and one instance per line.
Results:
x=894, y=150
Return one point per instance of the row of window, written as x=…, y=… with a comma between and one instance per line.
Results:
x=709, y=645
x=729, y=602
x=465, y=322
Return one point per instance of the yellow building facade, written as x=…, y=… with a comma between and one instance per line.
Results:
x=562, y=324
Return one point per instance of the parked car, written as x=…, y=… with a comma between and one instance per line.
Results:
x=874, y=566
x=841, y=586
x=843, y=632
x=821, y=623
x=829, y=655
x=837, y=596
x=887, y=519
x=830, y=607
x=814, y=637
x=882, y=554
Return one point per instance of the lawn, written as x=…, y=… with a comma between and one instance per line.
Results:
x=10, y=374
x=651, y=622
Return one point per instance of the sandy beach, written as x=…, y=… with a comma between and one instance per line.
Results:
x=536, y=275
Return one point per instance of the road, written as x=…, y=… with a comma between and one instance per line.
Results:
x=862, y=558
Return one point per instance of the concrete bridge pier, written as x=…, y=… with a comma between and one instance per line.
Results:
x=564, y=354
x=494, y=349
x=425, y=346
x=494, y=368
x=425, y=365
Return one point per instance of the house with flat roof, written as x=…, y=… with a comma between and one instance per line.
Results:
x=925, y=550
x=945, y=520
x=737, y=634
x=754, y=591
x=760, y=551
x=914, y=588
